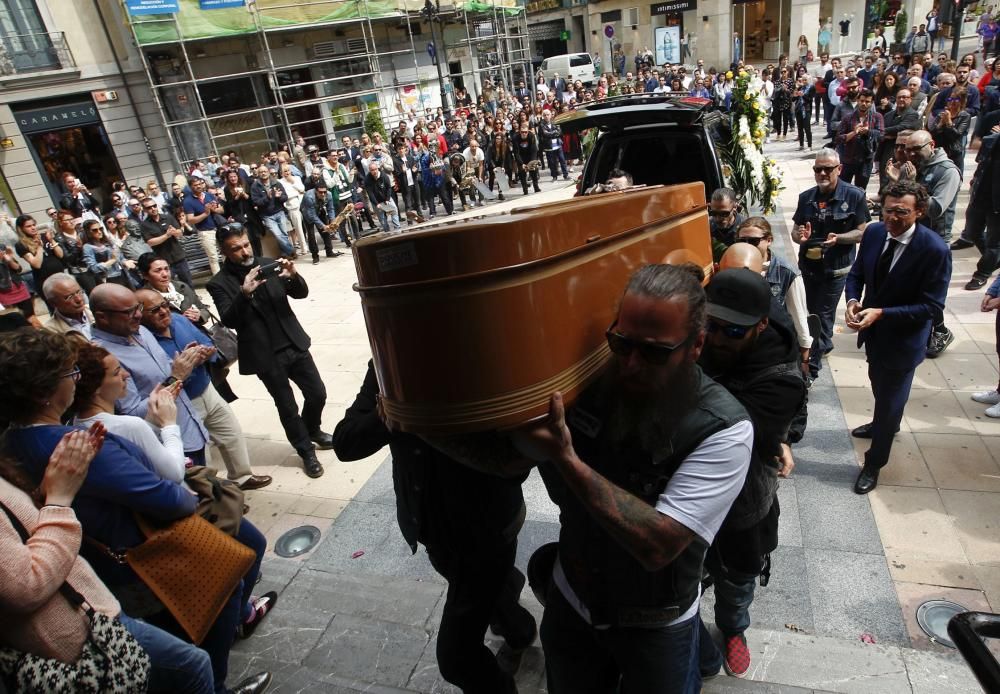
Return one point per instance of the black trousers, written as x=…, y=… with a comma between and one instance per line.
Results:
x=522, y=176
x=288, y=366
x=483, y=588
x=311, y=231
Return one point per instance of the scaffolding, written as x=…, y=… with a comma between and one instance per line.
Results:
x=274, y=74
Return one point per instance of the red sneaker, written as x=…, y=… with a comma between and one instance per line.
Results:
x=737, y=661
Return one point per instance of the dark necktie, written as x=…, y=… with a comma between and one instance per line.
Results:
x=884, y=263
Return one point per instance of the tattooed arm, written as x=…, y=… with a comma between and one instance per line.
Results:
x=653, y=538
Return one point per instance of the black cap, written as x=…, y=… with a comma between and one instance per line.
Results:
x=738, y=296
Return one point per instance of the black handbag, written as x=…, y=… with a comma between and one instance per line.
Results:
x=225, y=340
x=111, y=661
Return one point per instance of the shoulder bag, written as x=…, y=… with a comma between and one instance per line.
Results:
x=225, y=340
x=220, y=502
x=190, y=565
x=112, y=660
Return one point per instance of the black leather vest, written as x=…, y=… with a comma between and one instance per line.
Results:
x=613, y=585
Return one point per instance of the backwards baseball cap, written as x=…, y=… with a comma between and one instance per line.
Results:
x=738, y=296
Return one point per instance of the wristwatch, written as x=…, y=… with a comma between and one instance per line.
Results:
x=169, y=381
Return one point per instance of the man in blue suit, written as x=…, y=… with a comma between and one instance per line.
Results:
x=902, y=271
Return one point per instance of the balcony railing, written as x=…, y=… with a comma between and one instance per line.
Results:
x=25, y=54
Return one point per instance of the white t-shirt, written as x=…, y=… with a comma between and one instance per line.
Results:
x=698, y=496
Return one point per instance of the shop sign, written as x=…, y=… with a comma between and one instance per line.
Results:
x=140, y=7
x=57, y=117
x=542, y=5
x=672, y=7
x=219, y=4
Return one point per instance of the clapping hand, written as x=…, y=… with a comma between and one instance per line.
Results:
x=68, y=465
x=192, y=314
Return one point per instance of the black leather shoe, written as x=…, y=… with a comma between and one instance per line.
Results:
x=865, y=431
x=311, y=464
x=976, y=282
x=862, y=432
x=961, y=244
x=867, y=480
x=257, y=684
x=323, y=440
x=315, y=260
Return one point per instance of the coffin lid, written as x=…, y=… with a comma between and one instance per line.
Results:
x=525, y=235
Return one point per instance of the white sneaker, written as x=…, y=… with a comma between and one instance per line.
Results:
x=993, y=411
x=988, y=397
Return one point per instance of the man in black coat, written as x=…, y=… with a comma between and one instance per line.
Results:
x=757, y=360
x=468, y=521
x=525, y=146
x=251, y=295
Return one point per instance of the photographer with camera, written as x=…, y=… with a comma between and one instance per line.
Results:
x=857, y=140
x=251, y=295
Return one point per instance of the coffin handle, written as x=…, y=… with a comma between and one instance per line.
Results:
x=591, y=239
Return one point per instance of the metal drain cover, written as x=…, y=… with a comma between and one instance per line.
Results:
x=297, y=541
x=933, y=617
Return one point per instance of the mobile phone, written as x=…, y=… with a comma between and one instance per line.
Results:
x=270, y=270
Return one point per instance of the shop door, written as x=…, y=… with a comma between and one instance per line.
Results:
x=306, y=120
x=70, y=137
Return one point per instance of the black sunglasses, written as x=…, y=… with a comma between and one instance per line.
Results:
x=735, y=332
x=656, y=353
x=720, y=213
x=752, y=240
x=825, y=169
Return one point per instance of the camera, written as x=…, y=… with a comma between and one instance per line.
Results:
x=270, y=270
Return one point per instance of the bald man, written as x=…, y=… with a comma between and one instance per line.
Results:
x=118, y=328
x=742, y=255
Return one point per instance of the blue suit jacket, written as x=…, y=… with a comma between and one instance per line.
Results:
x=912, y=294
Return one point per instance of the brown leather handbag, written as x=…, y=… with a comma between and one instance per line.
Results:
x=191, y=566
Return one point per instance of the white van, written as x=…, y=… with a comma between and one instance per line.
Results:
x=571, y=67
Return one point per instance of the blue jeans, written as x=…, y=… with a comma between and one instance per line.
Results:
x=733, y=595
x=822, y=295
x=176, y=666
x=279, y=227
x=580, y=659
x=557, y=161
x=389, y=219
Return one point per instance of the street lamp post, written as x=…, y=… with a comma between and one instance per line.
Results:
x=430, y=13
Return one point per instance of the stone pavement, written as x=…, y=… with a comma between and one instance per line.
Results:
x=845, y=565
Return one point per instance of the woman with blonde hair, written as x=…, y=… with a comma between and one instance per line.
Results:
x=295, y=190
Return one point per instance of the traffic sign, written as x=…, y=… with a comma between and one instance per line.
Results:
x=609, y=31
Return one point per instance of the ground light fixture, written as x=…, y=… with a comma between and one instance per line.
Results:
x=298, y=541
x=933, y=617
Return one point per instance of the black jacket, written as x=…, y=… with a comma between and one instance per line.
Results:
x=73, y=204
x=248, y=316
x=550, y=136
x=379, y=189
x=267, y=205
x=768, y=382
x=439, y=502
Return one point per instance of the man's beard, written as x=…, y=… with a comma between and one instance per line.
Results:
x=648, y=420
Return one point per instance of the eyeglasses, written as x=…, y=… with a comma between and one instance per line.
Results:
x=159, y=308
x=73, y=295
x=656, y=353
x=752, y=240
x=720, y=213
x=73, y=375
x=149, y=207
x=125, y=311
x=897, y=211
x=915, y=149
x=734, y=332
x=826, y=169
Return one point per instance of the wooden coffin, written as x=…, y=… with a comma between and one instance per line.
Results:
x=473, y=324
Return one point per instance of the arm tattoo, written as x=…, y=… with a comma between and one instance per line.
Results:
x=653, y=538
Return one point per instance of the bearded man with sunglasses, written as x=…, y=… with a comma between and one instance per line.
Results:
x=829, y=221
x=644, y=467
x=757, y=361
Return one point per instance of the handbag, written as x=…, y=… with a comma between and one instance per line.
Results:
x=111, y=660
x=220, y=502
x=225, y=340
x=191, y=566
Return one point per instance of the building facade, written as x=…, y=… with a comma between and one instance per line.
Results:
x=73, y=97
